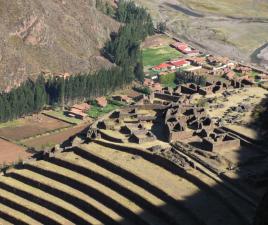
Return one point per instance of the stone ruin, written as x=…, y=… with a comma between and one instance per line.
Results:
x=185, y=122
x=219, y=140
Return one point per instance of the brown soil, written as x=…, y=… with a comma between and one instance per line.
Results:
x=156, y=40
x=56, y=138
x=10, y=152
x=33, y=125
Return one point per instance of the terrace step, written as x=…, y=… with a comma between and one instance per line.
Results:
x=124, y=206
x=197, y=194
x=77, y=202
x=15, y=217
x=124, y=187
x=40, y=197
x=29, y=208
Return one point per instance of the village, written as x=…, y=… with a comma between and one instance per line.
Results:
x=191, y=122
x=202, y=102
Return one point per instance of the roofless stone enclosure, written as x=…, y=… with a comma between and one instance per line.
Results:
x=174, y=119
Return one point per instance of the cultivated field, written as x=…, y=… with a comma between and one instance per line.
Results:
x=51, y=140
x=31, y=126
x=11, y=152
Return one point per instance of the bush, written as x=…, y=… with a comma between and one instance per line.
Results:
x=143, y=90
x=168, y=80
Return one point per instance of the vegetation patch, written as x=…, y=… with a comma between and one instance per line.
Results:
x=60, y=115
x=168, y=80
x=157, y=55
x=97, y=111
x=143, y=90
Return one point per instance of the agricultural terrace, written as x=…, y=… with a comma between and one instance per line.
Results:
x=11, y=152
x=59, y=114
x=31, y=126
x=50, y=140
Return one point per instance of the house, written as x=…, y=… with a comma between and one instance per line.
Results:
x=197, y=61
x=180, y=63
x=230, y=75
x=243, y=69
x=162, y=67
x=101, y=102
x=76, y=113
x=82, y=107
x=185, y=49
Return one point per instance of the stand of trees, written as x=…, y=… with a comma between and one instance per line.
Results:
x=30, y=97
x=185, y=77
x=123, y=50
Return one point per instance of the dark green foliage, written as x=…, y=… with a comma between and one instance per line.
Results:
x=85, y=86
x=124, y=48
x=143, y=90
x=161, y=27
x=184, y=77
x=28, y=98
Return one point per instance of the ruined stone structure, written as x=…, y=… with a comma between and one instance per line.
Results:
x=219, y=140
x=182, y=122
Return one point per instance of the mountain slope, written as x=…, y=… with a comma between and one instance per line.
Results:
x=56, y=36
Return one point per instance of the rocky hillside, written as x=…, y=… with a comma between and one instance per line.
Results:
x=55, y=36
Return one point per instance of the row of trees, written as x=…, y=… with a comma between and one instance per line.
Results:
x=186, y=77
x=123, y=50
x=30, y=97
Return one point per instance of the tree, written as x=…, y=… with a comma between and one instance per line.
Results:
x=161, y=27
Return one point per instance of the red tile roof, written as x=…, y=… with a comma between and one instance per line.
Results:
x=101, y=101
x=81, y=107
x=161, y=66
x=179, y=62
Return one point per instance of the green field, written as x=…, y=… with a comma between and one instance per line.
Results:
x=60, y=115
x=96, y=111
x=168, y=80
x=155, y=56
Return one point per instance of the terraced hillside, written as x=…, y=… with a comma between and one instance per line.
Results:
x=94, y=184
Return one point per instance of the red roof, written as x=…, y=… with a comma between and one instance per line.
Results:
x=77, y=112
x=230, y=75
x=179, y=62
x=101, y=101
x=82, y=107
x=161, y=66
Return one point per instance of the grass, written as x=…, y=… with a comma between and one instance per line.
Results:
x=13, y=123
x=168, y=80
x=60, y=115
x=96, y=111
x=157, y=55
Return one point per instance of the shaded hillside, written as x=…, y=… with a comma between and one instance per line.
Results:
x=53, y=35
